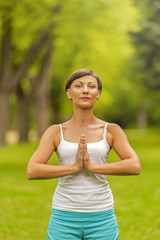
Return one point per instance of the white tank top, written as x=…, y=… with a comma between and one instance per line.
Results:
x=84, y=192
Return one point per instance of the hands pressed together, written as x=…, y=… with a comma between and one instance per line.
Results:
x=38, y=169
x=82, y=157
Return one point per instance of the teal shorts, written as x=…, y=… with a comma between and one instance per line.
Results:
x=82, y=226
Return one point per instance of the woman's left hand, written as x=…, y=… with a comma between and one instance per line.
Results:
x=87, y=162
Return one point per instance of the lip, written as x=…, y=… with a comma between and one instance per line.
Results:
x=85, y=98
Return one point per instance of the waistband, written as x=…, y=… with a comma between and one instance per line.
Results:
x=78, y=215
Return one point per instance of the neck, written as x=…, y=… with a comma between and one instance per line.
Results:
x=83, y=117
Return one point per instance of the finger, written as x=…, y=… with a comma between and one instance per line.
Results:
x=80, y=147
x=85, y=144
x=82, y=140
x=86, y=156
x=83, y=135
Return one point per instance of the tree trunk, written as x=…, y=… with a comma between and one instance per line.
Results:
x=142, y=117
x=9, y=83
x=22, y=115
x=56, y=115
x=5, y=74
x=23, y=119
x=4, y=115
x=42, y=114
x=41, y=92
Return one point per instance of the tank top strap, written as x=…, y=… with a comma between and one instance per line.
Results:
x=61, y=131
x=105, y=131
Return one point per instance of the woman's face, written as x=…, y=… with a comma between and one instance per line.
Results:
x=84, y=91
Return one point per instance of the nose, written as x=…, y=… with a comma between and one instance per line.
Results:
x=85, y=89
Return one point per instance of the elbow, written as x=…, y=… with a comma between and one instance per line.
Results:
x=30, y=173
x=137, y=168
x=29, y=176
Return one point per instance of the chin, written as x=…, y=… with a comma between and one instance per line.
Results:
x=86, y=106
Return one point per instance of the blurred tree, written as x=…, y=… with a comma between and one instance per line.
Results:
x=37, y=93
x=147, y=62
x=96, y=37
x=22, y=113
x=90, y=34
x=14, y=66
x=40, y=91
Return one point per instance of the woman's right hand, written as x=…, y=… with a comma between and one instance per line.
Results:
x=79, y=164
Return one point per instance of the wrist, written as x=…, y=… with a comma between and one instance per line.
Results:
x=98, y=168
x=90, y=167
x=76, y=168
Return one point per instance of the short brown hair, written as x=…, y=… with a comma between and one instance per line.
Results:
x=81, y=73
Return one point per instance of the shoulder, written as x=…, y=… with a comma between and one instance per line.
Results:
x=114, y=132
x=114, y=128
x=51, y=135
x=52, y=130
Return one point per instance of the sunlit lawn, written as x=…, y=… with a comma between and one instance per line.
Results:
x=25, y=206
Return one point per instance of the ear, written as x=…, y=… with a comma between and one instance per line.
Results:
x=68, y=94
x=99, y=93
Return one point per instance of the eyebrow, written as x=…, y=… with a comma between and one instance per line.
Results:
x=82, y=82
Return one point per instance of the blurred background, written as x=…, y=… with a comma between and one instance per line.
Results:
x=43, y=42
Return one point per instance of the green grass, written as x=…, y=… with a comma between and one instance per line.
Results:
x=25, y=206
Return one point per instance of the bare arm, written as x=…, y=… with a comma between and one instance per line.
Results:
x=130, y=164
x=37, y=167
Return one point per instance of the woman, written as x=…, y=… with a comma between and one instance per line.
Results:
x=82, y=206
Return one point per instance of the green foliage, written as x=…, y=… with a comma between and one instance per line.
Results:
x=26, y=205
x=146, y=64
x=94, y=35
